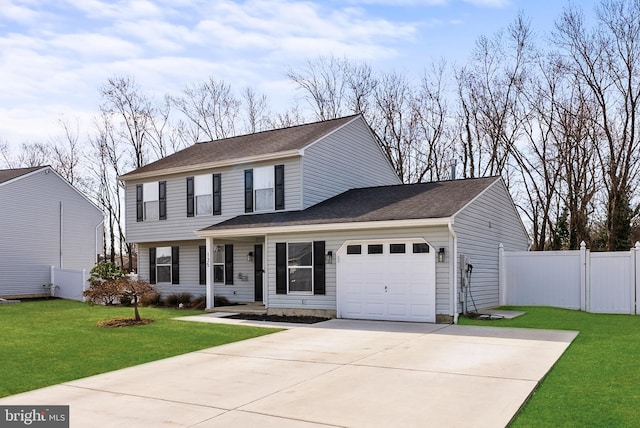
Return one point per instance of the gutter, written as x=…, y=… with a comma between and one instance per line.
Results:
x=454, y=276
x=321, y=227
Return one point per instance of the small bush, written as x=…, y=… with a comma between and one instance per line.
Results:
x=125, y=300
x=220, y=301
x=185, y=298
x=151, y=299
x=171, y=300
x=199, y=302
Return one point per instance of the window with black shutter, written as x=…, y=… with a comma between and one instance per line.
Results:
x=139, y=203
x=202, y=259
x=318, y=267
x=162, y=200
x=152, y=265
x=281, y=268
x=279, y=187
x=190, y=195
x=175, y=265
x=228, y=264
x=248, y=190
x=217, y=194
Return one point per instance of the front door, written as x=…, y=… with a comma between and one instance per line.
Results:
x=259, y=271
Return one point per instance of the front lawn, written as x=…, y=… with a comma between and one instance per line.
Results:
x=51, y=341
x=596, y=383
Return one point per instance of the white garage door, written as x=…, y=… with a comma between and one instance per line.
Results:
x=386, y=280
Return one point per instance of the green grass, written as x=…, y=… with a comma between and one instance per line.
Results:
x=596, y=383
x=51, y=341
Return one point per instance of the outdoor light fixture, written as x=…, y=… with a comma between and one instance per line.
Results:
x=441, y=255
x=329, y=258
x=250, y=256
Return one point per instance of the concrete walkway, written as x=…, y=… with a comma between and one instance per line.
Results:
x=340, y=373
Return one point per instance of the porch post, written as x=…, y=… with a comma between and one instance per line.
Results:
x=210, y=290
x=502, y=277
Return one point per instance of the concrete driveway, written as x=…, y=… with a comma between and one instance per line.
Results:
x=338, y=373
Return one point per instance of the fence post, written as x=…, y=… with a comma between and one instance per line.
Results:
x=502, y=279
x=636, y=275
x=584, y=278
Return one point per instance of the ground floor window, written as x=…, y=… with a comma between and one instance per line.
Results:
x=300, y=267
x=164, y=265
x=218, y=264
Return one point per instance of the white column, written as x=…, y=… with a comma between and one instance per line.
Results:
x=209, y=286
x=585, y=304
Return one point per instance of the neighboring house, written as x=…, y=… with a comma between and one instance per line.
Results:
x=44, y=222
x=312, y=219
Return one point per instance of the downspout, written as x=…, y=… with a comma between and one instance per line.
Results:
x=97, y=250
x=454, y=263
x=61, y=232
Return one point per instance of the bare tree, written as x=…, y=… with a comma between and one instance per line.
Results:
x=210, y=109
x=607, y=63
x=256, y=110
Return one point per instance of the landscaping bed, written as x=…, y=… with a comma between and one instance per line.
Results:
x=279, y=318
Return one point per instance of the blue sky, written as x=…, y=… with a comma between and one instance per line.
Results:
x=55, y=54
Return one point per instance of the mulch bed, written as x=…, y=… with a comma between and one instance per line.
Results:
x=122, y=322
x=278, y=318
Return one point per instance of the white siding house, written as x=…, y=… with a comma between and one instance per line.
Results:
x=313, y=219
x=44, y=222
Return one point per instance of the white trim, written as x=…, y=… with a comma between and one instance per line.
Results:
x=385, y=224
x=210, y=165
x=453, y=271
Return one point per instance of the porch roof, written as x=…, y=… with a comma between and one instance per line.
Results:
x=402, y=203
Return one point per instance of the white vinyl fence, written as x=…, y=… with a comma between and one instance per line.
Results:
x=69, y=283
x=593, y=282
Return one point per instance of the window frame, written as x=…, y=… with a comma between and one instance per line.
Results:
x=151, y=194
x=218, y=249
x=262, y=174
x=202, y=187
x=309, y=267
x=169, y=264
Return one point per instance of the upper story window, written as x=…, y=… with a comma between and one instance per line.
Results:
x=151, y=201
x=204, y=195
x=264, y=188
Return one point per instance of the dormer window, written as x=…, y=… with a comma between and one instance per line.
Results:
x=264, y=189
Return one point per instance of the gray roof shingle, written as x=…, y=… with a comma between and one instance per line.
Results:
x=399, y=202
x=259, y=143
x=10, y=174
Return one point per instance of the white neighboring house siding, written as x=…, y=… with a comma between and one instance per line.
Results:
x=30, y=231
x=436, y=236
x=488, y=221
x=346, y=159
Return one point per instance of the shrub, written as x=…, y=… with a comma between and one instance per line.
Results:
x=199, y=302
x=174, y=300
x=105, y=287
x=151, y=299
x=220, y=301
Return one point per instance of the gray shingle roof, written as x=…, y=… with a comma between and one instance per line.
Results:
x=260, y=143
x=399, y=202
x=10, y=174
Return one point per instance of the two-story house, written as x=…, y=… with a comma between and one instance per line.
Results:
x=312, y=219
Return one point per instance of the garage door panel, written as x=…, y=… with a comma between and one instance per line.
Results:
x=399, y=286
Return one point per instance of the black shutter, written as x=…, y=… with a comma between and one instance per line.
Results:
x=228, y=264
x=139, y=203
x=152, y=265
x=162, y=200
x=202, y=257
x=279, y=186
x=248, y=190
x=217, y=194
x=281, y=268
x=318, y=268
x=175, y=265
x=190, y=192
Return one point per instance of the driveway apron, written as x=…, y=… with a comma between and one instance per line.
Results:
x=339, y=373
